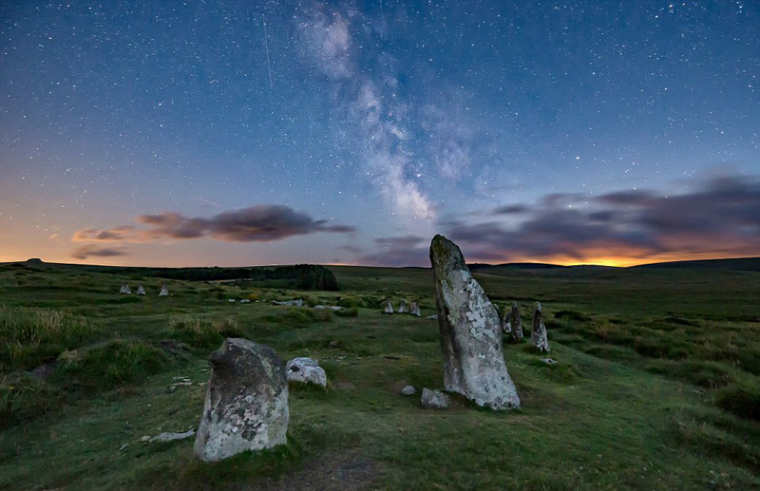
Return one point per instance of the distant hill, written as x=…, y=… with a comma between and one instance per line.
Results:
x=736, y=264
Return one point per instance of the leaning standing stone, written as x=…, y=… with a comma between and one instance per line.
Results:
x=470, y=332
x=516, y=323
x=538, y=336
x=246, y=405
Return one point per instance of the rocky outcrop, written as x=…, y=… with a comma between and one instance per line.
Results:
x=515, y=323
x=246, y=406
x=434, y=399
x=470, y=330
x=307, y=371
x=538, y=336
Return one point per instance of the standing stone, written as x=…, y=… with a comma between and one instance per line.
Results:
x=408, y=390
x=140, y=290
x=125, y=290
x=164, y=291
x=307, y=371
x=470, y=332
x=402, y=307
x=246, y=405
x=388, y=308
x=538, y=336
x=415, y=310
x=516, y=323
x=506, y=325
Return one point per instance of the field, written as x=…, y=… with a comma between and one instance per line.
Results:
x=657, y=385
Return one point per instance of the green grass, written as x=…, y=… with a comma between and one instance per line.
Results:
x=657, y=384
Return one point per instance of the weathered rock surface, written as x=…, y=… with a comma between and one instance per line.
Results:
x=388, y=307
x=415, y=309
x=434, y=399
x=307, y=371
x=470, y=330
x=516, y=323
x=538, y=336
x=246, y=406
x=408, y=390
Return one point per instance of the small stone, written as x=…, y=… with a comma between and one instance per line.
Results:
x=145, y=438
x=434, y=399
x=164, y=291
x=408, y=390
x=306, y=370
x=168, y=436
x=402, y=307
x=140, y=290
x=549, y=361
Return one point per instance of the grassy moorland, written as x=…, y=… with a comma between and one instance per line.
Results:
x=657, y=385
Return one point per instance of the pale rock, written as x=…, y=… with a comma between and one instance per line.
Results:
x=402, y=307
x=306, y=370
x=409, y=390
x=434, y=399
x=140, y=290
x=168, y=437
x=470, y=330
x=164, y=291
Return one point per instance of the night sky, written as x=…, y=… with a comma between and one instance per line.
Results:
x=243, y=133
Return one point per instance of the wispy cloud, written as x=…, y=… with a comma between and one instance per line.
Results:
x=719, y=216
x=261, y=223
x=90, y=250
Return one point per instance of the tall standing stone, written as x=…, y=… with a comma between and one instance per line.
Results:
x=516, y=323
x=415, y=309
x=538, y=335
x=470, y=332
x=140, y=290
x=164, y=291
x=246, y=405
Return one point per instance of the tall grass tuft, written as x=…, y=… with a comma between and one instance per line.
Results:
x=29, y=337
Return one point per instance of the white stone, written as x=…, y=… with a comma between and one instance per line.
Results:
x=298, y=302
x=140, y=290
x=434, y=399
x=125, y=290
x=164, y=291
x=408, y=390
x=306, y=370
x=168, y=437
x=246, y=406
x=470, y=329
